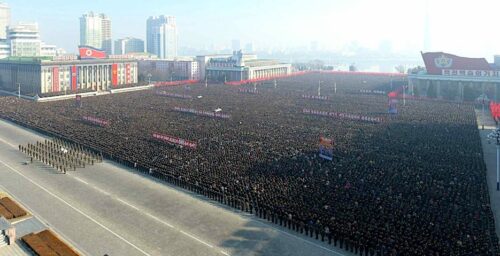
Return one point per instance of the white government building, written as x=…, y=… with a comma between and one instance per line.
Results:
x=239, y=67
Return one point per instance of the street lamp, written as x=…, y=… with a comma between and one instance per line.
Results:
x=319, y=88
x=495, y=135
x=18, y=90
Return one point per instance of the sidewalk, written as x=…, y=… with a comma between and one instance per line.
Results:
x=489, y=154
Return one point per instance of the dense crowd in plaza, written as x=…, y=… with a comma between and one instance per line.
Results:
x=414, y=184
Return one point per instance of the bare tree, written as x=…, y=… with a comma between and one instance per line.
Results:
x=400, y=69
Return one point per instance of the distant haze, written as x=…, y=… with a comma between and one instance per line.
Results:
x=461, y=27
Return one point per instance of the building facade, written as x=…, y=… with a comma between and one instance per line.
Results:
x=107, y=41
x=239, y=67
x=4, y=49
x=451, y=77
x=42, y=75
x=95, y=31
x=129, y=45
x=4, y=20
x=161, y=33
x=48, y=50
x=169, y=70
x=24, y=40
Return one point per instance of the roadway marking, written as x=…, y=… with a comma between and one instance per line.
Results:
x=118, y=199
x=171, y=226
x=100, y=190
x=129, y=205
x=10, y=144
x=159, y=220
x=82, y=181
x=43, y=221
x=76, y=209
x=296, y=237
x=143, y=212
x=195, y=238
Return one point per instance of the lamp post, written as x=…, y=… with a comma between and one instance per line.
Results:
x=18, y=90
x=149, y=78
x=495, y=135
x=482, y=99
x=404, y=95
x=319, y=88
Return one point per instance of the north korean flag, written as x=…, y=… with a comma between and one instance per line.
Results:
x=87, y=52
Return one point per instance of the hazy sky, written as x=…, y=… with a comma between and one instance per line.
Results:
x=461, y=27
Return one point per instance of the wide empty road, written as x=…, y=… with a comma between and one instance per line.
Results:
x=108, y=209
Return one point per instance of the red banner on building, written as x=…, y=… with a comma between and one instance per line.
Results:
x=127, y=72
x=114, y=75
x=175, y=140
x=73, y=78
x=55, y=79
x=87, y=52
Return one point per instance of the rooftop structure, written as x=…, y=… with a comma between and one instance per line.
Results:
x=239, y=67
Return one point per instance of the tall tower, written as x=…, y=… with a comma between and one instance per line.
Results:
x=95, y=31
x=107, y=41
x=162, y=36
x=91, y=30
x=4, y=19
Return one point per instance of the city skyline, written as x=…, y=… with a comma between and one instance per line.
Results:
x=283, y=25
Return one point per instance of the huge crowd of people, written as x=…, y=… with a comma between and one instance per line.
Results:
x=414, y=184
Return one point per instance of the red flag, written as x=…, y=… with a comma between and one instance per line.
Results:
x=87, y=52
x=393, y=95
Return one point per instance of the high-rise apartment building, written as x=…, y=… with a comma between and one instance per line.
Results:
x=24, y=40
x=95, y=31
x=162, y=36
x=129, y=45
x=107, y=41
x=4, y=20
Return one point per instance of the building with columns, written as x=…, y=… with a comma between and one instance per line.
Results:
x=46, y=75
x=452, y=77
x=239, y=67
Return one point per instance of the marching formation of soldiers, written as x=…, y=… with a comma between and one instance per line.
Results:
x=61, y=155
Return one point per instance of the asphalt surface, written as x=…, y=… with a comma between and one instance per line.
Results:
x=109, y=209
